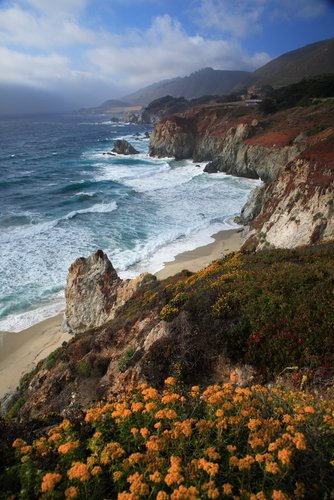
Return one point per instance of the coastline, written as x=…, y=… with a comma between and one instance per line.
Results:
x=20, y=352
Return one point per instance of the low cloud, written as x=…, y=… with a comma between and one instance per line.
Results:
x=21, y=27
x=165, y=50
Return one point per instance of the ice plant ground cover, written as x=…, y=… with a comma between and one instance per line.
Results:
x=220, y=442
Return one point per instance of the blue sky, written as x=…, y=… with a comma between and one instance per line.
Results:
x=86, y=51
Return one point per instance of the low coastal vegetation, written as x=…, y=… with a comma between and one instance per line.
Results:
x=185, y=434
x=221, y=442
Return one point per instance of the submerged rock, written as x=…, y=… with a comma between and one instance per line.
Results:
x=123, y=147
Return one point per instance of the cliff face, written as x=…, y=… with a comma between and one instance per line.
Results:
x=290, y=151
x=298, y=208
x=211, y=135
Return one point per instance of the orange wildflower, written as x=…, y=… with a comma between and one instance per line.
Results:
x=49, y=481
x=279, y=495
x=254, y=423
x=55, y=437
x=162, y=495
x=25, y=449
x=134, y=458
x=309, y=409
x=209, y=467
x=246, y=462
x=71, y=492
x=144, y=432
x=150, y=393
x=79, y=471
x=153, y=443
x=227, y=488
x=170, y=381
x=96, y=470
x=155, y=477
x=284, y=455
x=151, y=406
x=272, y=467
x=183, y=493
x=18, y=443
x=65, y=425
x=212, y=453
x=167, y=413
x=117, y=475
x=68, y=447
x=137, y=407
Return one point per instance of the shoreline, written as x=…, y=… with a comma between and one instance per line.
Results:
x=21, y=351
x=225, y=241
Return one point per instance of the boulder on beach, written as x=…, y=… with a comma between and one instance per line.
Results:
x=123, y=147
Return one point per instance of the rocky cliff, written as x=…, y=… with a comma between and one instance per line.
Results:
x=297, y=208
x=290, y=151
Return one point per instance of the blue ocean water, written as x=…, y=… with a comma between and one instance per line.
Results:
x=61, y=197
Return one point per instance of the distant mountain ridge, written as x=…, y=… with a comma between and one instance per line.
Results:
x=206, y=81
x=310, y=60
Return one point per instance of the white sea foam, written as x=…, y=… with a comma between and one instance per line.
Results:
x=100, y=208
x=170, y=207
x=18, y=322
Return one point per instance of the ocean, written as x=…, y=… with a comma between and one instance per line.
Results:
x=62, y=197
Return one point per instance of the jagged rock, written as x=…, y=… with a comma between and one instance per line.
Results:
x=94, y=292
x=123, y=147
x=90, y=293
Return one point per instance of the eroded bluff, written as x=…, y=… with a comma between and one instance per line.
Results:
x=291, y=151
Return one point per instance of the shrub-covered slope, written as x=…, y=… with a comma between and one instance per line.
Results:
x=243, y=319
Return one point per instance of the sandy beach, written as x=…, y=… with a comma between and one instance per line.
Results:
x=20, y=352
x=194, y=260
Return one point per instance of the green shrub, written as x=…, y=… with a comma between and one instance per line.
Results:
x=52, y=358
x=83, y=368
x=125, y=359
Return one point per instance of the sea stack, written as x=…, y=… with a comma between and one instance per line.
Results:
x=90, y=292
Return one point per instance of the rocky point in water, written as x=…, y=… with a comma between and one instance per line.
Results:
x=123, y=147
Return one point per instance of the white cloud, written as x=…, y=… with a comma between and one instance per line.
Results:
x=18, y=26
x=236, y=17
x=165, y=51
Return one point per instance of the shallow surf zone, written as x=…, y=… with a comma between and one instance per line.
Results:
x=141, y=211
